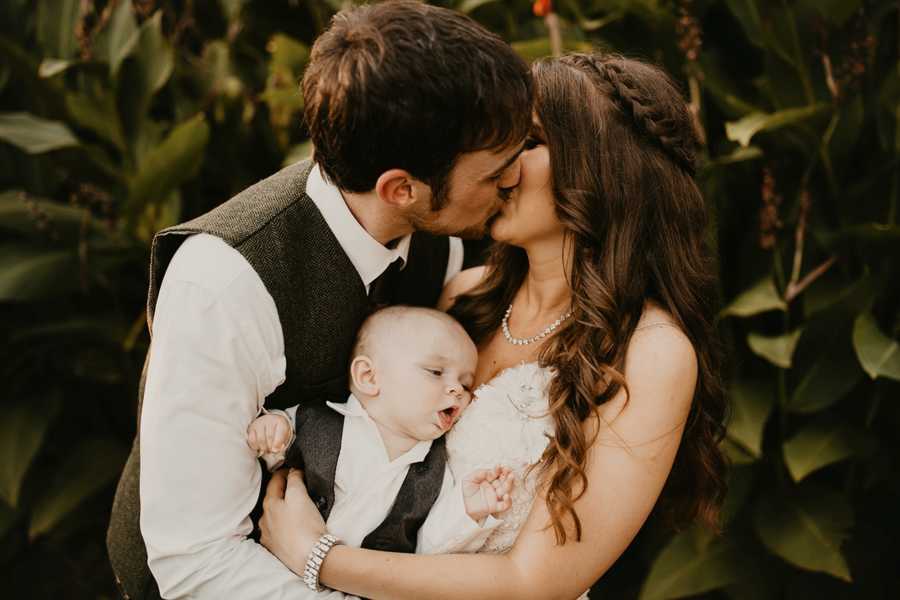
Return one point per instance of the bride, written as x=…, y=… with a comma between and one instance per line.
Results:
x=597, y=356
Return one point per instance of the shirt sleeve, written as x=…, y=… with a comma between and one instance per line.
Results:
x=455, y=259
x=216, y=353
x=448, y=528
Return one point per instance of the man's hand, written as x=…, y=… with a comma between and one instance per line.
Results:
x=290, y=524
x=486, y=492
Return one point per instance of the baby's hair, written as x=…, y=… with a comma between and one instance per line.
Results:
x=394, y=317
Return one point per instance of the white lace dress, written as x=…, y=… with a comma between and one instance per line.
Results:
x=506, y=423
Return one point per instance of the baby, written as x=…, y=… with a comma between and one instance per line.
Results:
x=410, y=379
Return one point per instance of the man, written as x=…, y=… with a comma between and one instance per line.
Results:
x=417, y=115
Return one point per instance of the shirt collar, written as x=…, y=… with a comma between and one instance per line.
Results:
x=368, y=256
x=353, y=409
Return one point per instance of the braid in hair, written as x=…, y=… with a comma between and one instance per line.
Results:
x=652, y=121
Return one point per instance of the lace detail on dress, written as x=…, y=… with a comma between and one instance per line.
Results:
x=507, y=423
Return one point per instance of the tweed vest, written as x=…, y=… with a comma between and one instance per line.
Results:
x=321, y=302
x=319, y=431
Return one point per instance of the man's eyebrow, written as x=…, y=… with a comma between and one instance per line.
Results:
x=506, y=164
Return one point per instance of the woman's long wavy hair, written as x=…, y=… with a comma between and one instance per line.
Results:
x=622, y=153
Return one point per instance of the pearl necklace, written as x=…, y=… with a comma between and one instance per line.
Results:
x=504, y=325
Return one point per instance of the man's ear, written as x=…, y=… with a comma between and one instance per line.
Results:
x=362, y=373
x=399, y=189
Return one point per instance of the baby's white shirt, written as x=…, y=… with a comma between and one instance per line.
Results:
x=366, y=484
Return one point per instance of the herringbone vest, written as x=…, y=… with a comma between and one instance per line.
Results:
x=320, y=300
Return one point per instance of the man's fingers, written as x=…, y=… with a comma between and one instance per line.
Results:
x=295, y=481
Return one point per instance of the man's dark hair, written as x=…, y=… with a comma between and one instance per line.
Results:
x=407, y=85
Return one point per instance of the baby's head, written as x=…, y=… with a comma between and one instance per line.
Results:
x=412, y=370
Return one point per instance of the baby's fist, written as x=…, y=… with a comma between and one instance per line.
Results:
x=269, y=434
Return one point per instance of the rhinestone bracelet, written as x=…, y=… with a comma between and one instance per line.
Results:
x=314, y=562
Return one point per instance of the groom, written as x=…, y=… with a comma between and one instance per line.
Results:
x=417, y=115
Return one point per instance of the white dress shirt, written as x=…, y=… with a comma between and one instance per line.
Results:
x=366, y=484
x=217, y=352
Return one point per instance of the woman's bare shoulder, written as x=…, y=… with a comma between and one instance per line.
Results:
x=461, y=283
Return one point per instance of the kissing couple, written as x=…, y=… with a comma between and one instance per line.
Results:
x=502, y=431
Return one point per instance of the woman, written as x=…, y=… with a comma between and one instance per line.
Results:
x=597, y=354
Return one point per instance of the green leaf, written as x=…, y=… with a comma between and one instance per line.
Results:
x=33, y=134
x=819, y=445
x=96, y=110
x=467, y=6
x=19, y=213
x=686, y=568
x=737, y=454
x=876, y=236
x=752, y=403
x=232, y=8
x=119, y=38
x=55, y=27
x=90, y=467
x=28, y=273
x=807, y=530
x=22, y=429
x=154, y=54
x=169, y=164
x=53, y=66
x=878, y=354
x=761, y=297
x=738, y=155
x=747, y=14
x=778, y=350
x=743, y=130
x=829, y=380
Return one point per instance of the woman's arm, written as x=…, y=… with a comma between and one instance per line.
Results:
x=627, y=467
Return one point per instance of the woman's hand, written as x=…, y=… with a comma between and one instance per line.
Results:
x=290, y=524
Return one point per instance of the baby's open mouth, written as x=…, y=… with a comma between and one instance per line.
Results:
x=448, y=416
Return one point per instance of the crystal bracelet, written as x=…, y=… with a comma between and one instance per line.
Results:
x=314, y=562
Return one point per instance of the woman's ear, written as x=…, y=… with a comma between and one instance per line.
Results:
x=362, y=374
x=397, y=188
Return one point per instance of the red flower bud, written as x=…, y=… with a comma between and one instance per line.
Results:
x=542, y=8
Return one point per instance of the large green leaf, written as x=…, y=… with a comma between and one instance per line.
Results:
x=807, y=529
x=96, y=110
x=778, y=350
x=33, y=134
x=154, y=54
x=751, y=403
x=55, y=27
x=170, y=164
x=23, y=425
x=827, y=381
x=24, y=214
x=821, y=444
x=761, y=297
x=688, y=566
x=743, y=130
x=878, y=354
x=28, y=273
x=90, y=466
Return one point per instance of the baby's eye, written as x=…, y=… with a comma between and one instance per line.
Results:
x=435, y=372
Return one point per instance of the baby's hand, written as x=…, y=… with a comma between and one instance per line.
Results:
x=269, y=434
x=486, y=492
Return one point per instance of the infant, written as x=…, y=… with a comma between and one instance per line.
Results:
x=410, y=380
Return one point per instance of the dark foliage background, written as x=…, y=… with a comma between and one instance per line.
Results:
x=119, y=117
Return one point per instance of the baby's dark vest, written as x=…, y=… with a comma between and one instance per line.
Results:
x=321, y=302
x=315, y=450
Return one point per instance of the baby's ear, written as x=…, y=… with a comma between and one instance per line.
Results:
x=362, y=375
